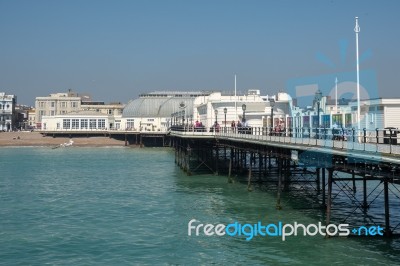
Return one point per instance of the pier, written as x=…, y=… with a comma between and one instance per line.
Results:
x=130, y=137
x=345, y=176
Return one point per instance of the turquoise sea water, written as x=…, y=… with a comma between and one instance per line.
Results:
x=122, y=206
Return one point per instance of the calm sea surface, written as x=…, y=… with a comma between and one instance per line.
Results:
x=119, y=206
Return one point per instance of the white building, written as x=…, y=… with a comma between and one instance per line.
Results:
x=155, y=111
x=255, y=109
x=7, y=111
x=56, y=104
x=377, y=113
x=78, y=121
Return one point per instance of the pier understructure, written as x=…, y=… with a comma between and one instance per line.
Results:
x=344, y=183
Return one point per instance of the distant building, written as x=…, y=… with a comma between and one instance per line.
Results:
x=7, y=111
x=254, y=108
x=115, y=108
x=78, y=121
x=154, y=111
x=56, y=104
x=32, y=118
x=65, y=103
x=377, y=113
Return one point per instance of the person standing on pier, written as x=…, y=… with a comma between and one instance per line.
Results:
x=233, y=126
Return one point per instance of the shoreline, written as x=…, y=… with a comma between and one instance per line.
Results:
x=35, y=139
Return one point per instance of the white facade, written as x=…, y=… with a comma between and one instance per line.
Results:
x=7, y=111
x=378, y=113
x=257, y=109
x=78, y=121
x=56, y=104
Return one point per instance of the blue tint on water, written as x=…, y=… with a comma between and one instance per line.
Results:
x=103, y=206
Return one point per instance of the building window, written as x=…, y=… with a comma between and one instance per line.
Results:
x=380, y=108
x=58, y=125
x=63, y=104
x=92, y=123
x=75, y=123
x=53, y=104
x=110, y=112
x=66, y=123
x=74, y=104
x=130, y=123
x=84, y=123
x=101, y=123
x=52, y=113
x=150, y=120
x=371, y=108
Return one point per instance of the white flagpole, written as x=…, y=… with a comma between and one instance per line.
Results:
x=357, y=30
x=336, y=100
x=235, y=100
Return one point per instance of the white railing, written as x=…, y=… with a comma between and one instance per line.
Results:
x=378, y=140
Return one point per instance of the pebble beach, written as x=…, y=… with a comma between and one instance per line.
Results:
x=26, y=138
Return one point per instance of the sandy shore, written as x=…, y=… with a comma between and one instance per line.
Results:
x=36, y=139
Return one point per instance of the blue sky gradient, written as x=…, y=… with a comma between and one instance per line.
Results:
x=115, y=50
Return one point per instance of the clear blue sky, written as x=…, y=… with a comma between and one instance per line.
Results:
x=115, y=50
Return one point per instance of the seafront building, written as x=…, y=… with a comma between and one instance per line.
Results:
x=32, y=118
x=79, y=120
x=56, y=104
x=7, y=111
x=252, y=109
x=68, y=106
x=157, y=111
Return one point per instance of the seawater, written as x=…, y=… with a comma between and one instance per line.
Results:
x=123, y=206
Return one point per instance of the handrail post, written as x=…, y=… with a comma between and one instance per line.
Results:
x=365, y=136
x=390, y=140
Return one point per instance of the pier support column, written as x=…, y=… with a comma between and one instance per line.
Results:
x=329, y=203
x=126, y=141
x=323, y=187
x=249, y=188
x=353, y=177
x=318, y=171
x=278, y=201
x=388, y=231
x=230, y=180
x=365, y=204
x=216, y=159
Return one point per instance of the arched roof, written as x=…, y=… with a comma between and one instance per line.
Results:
x=157, y=106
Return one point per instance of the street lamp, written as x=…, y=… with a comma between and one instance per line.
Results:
x=244, y=112
x=318, y=97
x=225, y=111
x=182, y=106
x=272, y=104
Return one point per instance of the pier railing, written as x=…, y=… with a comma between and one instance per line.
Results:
x=378, y=140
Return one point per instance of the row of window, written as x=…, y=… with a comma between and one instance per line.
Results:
x=83, y=124
x=370, y=108
x=4, y=106
x=62, y=104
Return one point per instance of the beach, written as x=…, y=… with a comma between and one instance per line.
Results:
x=26, y=138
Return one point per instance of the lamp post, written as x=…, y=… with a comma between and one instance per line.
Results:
x=225, y=111
x=318, y=97
x=272, y=104
x=244, y=112
x=182, y=106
